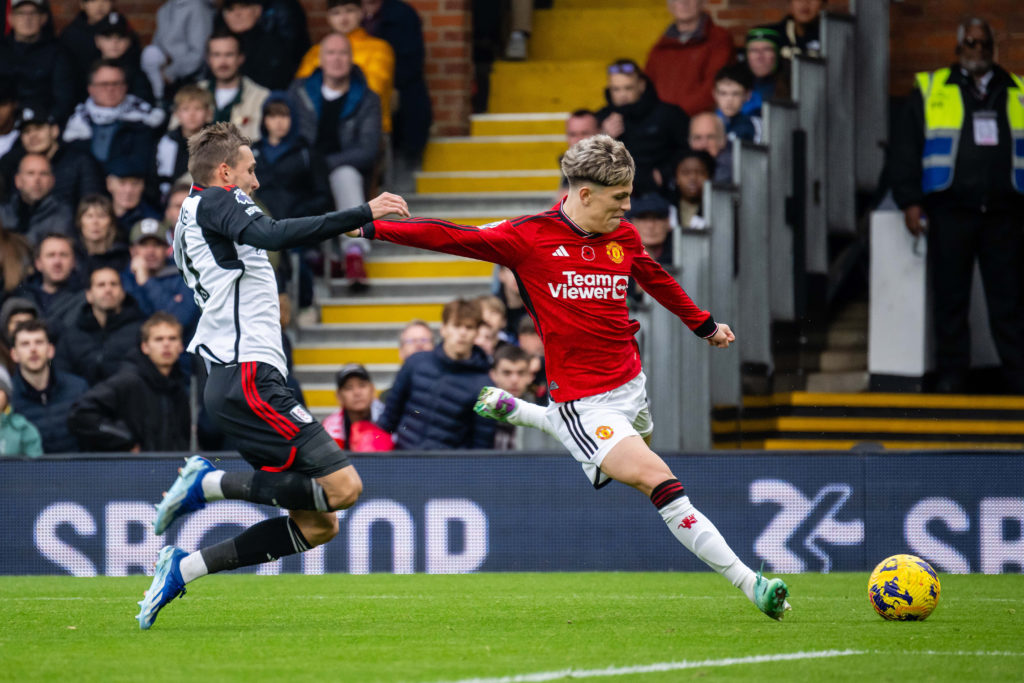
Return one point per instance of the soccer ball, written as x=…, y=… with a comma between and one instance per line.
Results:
x=904, y=588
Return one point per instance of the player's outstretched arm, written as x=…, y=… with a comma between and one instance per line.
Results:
x=264, y=232
x=722, y=337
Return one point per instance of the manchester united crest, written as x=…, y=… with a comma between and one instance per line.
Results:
x=604, y=432
x=615, y=252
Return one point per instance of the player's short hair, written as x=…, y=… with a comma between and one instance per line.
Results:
x=600, y=160
x=461, y=311
x=212, y=146
x=193, y=93
x=33, y=325
x=511, y=353
x=158, y=318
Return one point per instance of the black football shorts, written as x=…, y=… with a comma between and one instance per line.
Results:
x=259, y=415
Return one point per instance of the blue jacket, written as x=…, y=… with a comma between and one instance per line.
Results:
x=430, y=404
x=165, y=291
x=48, y=409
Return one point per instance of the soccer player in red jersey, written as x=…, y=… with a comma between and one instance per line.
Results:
x=573, y=264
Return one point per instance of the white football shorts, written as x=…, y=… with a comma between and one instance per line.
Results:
x=590, y=427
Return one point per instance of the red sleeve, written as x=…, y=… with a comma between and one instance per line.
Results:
x=664, y=288
x=500, y=243
x=720, y=52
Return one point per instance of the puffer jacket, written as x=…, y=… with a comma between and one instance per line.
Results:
x=430, y=405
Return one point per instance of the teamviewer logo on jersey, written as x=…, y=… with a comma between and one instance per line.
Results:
x=589, y=286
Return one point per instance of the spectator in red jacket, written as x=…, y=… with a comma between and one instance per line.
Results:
x=683, y=63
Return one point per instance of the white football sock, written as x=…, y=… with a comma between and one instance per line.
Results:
x=192, y=567
x=529, y=414
x=211, y=486
x=699, y=535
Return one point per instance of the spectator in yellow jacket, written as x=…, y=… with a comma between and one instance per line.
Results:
x=373, y=56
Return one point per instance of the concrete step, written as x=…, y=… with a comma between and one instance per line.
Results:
x=602, y=33
x=382, y=309
x=338, y=354
x=549, y=86
x=832, y=360
x=532, y=123
x=352, y=334
x=425, y=265
x=849, y=339
x=450, y=287
x=463, y=206
x=494, y=153
x=838, y=382
x=382, y=375
x=489, y=181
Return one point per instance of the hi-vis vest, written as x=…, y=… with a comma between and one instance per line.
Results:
x=943, y=120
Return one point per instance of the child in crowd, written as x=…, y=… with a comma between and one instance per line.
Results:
x=97, y=235
x=693, y=169
x=18, y=436
x=193, y=109
x=288, y=186
x=116, y=41
x=178, y=50
x=733, y=84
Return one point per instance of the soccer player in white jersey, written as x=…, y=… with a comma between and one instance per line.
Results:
x=572, y=264
x=220, y=245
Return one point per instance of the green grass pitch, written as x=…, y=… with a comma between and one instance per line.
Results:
x=509, y=627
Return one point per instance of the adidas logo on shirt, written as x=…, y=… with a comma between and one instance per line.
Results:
x=561, y=251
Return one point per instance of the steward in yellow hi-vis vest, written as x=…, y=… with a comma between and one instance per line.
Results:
x=957, y=171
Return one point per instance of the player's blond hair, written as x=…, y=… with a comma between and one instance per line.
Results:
x=212, y=146
x=599, y=159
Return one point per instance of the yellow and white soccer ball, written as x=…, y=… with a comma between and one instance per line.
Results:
x=904, y=588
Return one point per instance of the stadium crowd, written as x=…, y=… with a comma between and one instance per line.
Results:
x=93, y=171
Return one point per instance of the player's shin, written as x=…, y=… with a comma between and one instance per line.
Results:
x=287, y=490
x=699, y=535
x=264, y=542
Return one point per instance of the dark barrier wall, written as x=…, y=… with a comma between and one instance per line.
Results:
x=442, y=514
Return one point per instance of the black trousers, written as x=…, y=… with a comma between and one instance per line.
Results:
x=956, y=237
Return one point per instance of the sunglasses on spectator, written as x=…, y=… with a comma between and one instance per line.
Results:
x=975, y=42
x=626, y=68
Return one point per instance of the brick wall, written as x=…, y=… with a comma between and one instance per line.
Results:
x=922, y=37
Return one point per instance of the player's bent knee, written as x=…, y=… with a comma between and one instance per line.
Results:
x=343, y=488
x=317, y=527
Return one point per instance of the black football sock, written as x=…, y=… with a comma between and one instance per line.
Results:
x=263, y=542
x=286, y=490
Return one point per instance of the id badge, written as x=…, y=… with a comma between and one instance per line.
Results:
x=986, y=130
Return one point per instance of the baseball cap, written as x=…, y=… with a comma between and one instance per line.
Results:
x=648, y=205
x=30, y=115
x=132, y=165
x=148, y=228
x=114, y=24
x=763, y=33
x=41, y=4
x=351, y=370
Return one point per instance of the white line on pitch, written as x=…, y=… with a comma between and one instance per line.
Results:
x=661, y=667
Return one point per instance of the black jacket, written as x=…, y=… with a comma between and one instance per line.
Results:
x=655, y=133
x=43, y=73
x=48, y=409
x=76, y=173
x=59, y=309
x=79, y=40
x=430, y=405
x=35, y=221
x=137, y=406
x=982, y=175
x=96, y=353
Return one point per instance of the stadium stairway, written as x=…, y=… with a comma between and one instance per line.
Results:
x=506, y=167
x=818, y=421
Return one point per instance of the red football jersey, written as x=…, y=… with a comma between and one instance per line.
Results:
x=573, y=284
